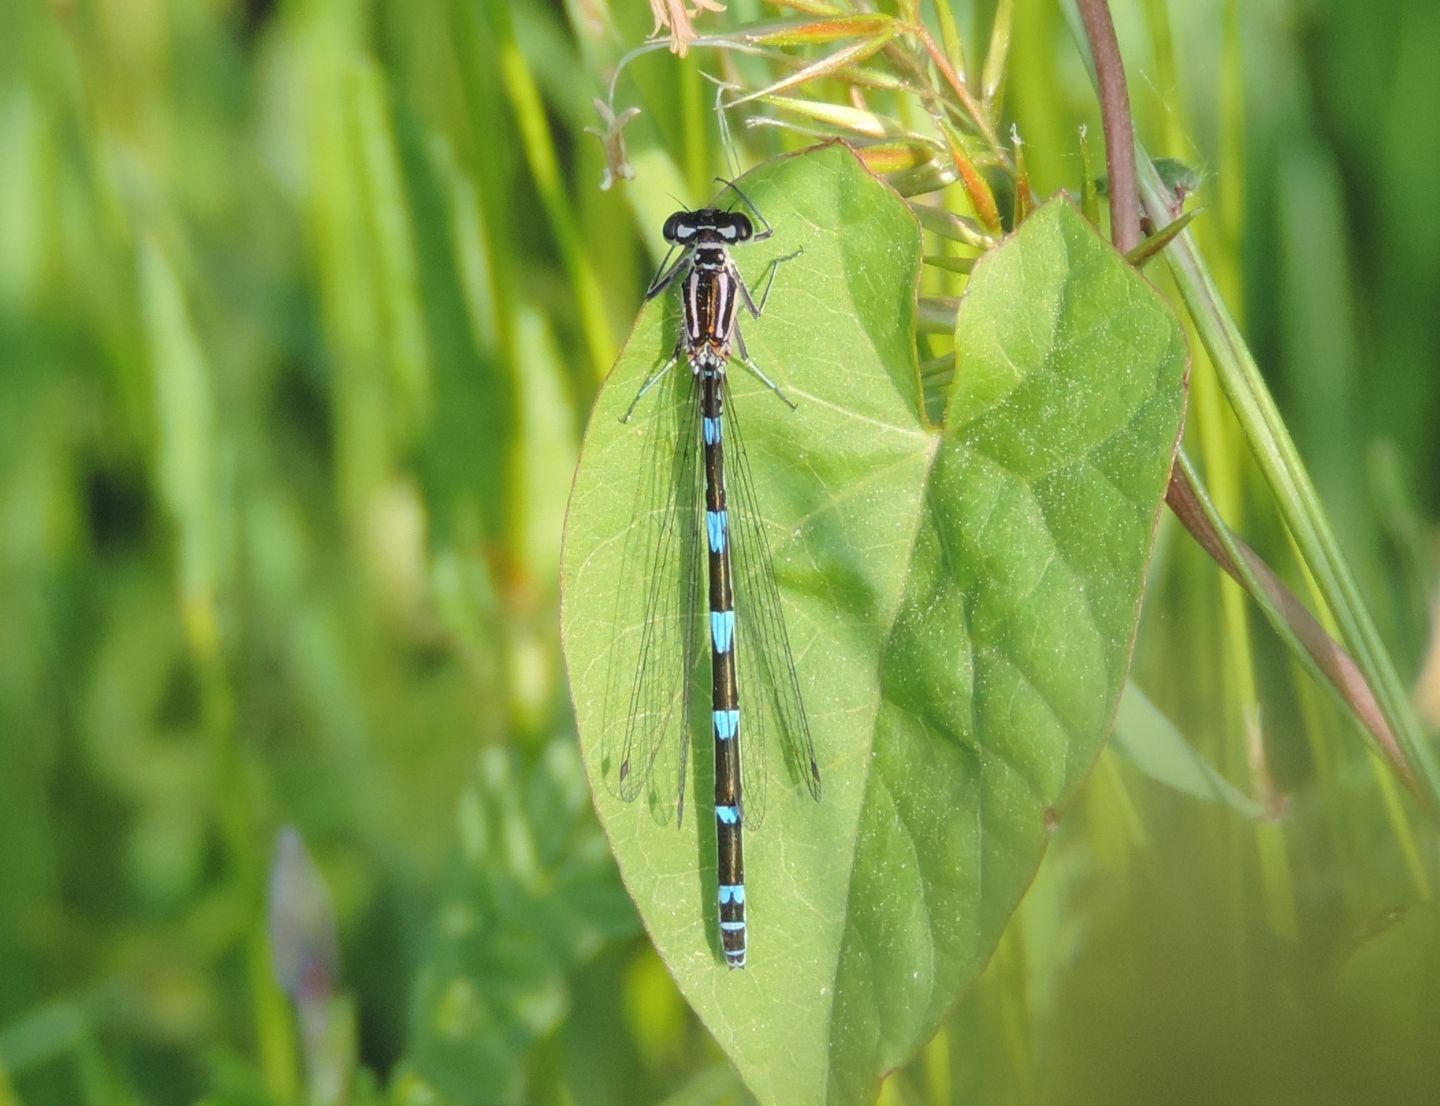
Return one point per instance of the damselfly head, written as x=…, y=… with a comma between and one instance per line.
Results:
x=710, y=224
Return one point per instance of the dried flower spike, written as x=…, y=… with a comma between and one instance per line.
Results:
x=612, y=137
x=674, y=16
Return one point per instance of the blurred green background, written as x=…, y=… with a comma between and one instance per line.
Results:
x=302, y=305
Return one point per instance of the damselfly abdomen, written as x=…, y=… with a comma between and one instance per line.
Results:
x=697, y=466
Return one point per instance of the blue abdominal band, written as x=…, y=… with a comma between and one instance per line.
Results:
x=722, y=630
x=717, y=523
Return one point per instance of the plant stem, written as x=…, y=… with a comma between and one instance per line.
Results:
x=1119, y=131
x=1370, y=687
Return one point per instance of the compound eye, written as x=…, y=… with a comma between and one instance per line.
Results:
x=670, y=230
x=743, y=229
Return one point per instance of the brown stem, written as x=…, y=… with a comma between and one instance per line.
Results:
x=978, y=115
x=1119, y=132
x=1331, y=658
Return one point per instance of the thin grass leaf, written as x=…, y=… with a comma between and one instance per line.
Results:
x=878, y=80
x=1155, y=745
x=187, y=471
x=894, y=157
x=545, y=455
x=867, y=124
x=922, y=180
x=938, y=370
x=992, y=77
x=950, y=38
x=541, y=153
x=388, y=212
x=828, y=66
x=936, y=314
x=48, y=1032
x=1153, y=245
x=821, y=31
x=951, y=264
x=811, y=7
x=957, y=228
x=937, y=377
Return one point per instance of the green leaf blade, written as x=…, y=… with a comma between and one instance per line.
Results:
x=960, y=604
x=1012, y=643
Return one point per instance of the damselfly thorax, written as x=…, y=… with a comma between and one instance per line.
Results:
x=712, y=285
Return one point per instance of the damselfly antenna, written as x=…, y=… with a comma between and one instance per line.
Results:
x=733, y=187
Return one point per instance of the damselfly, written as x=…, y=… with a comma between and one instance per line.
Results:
x=750, y=653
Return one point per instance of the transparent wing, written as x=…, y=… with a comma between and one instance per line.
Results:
x=772, y=714
x=646, y=730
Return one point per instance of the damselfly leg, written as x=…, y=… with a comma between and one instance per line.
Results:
x=650, y=382
x=755, y=370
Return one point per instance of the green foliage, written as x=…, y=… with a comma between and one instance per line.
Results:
x=964, y=602
x=1009, y=651
x=1152, y=743
x=534, y=901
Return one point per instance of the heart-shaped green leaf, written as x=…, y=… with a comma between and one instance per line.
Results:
x=960, y=603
